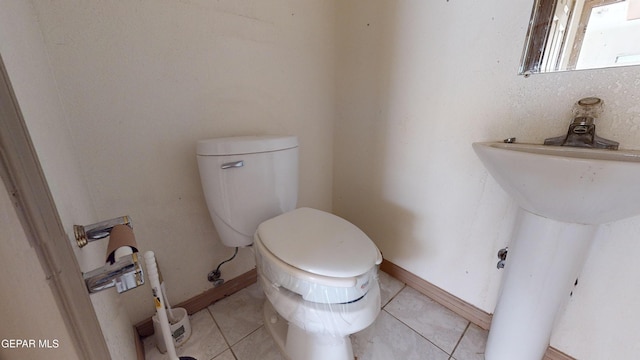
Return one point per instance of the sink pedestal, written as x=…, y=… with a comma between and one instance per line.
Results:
x=544, y=260
x=566, y=186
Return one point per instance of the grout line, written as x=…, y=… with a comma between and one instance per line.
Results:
x=229, y=345
x=412, y=329
x=233, y=354
x=249, y=334
x=422, y=336
x=394, y=296
x=219, y=329
x=459, y=340
x=407, y=325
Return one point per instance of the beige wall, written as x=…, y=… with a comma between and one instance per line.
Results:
x=386, y=97
x=418, y=82
x=29, y=310
x=23, y=51
x=142, y=81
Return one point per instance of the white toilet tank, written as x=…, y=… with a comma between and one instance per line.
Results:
x=247, y=180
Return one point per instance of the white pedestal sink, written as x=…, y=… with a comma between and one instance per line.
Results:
x=564, y=194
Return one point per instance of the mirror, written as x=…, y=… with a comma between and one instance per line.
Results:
x=581, y=34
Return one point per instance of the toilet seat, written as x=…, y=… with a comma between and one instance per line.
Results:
x=318, y=255
x=320, y=243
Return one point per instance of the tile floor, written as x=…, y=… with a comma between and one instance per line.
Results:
x=410, y=326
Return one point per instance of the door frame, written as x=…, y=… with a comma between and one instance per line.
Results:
x=24, y=179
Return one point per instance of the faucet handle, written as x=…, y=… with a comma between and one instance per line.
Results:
x=590, y=107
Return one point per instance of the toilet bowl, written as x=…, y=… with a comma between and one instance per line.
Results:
x=318, y=271
x=317, y=255
x=313, y=331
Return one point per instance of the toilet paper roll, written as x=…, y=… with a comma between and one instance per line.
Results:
x=121, y=242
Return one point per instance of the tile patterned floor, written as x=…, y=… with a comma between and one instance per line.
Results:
x=410, y=326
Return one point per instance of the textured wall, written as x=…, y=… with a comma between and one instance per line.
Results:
x=418, y=82
x=24, y=53
x=142, y=81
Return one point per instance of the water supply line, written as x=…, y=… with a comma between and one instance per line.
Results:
x=214, y=276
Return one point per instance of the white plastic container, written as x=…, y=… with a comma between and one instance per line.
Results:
x=180, y=330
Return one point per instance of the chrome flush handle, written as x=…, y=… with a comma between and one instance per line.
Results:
x=233, y=164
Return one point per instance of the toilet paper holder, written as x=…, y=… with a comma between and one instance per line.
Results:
x=100, y=230
x=122, y=272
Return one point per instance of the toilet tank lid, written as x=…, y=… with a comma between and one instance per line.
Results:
x=320, y=243
x=238, y=145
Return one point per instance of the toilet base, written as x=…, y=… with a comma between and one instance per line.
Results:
x=297, y=344
x=276, y=326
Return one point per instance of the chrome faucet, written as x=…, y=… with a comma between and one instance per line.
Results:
x=582, y=130
x=125, y=274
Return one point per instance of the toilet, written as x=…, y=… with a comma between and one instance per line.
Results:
x=317, y=270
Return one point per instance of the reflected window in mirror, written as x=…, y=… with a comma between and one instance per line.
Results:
x=582, y=34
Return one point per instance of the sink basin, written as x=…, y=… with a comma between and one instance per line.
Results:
x=564, y=194
x=568, y=184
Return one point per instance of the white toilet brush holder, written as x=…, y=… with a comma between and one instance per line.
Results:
x=180, y=328
x=163, y=318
